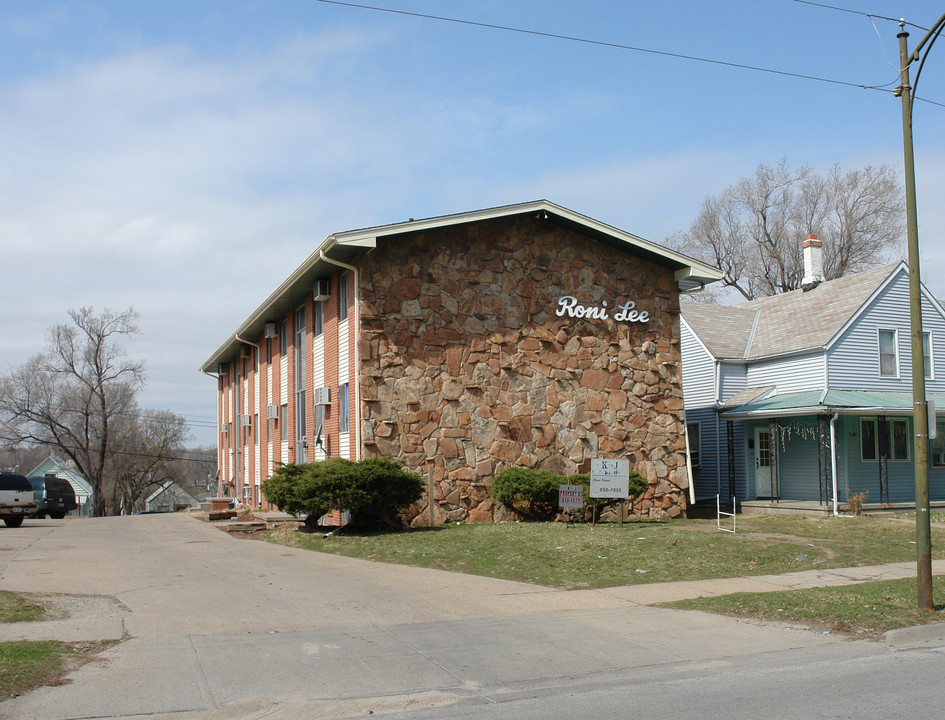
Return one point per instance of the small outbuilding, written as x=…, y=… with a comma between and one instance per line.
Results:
x=171, y=497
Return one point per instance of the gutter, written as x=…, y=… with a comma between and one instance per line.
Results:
x=819, y=410
x=357, y=338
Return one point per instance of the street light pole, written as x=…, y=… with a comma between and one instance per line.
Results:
x=919, y=402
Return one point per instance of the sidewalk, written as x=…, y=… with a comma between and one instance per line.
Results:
x=97, y=618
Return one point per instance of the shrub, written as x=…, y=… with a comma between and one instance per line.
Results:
x=855, y=502
x=533, y=493
x=372, y=490
x=281, y=488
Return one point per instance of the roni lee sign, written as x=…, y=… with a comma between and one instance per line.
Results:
x=624, y=312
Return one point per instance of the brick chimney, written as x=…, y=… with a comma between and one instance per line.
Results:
x=813, y=262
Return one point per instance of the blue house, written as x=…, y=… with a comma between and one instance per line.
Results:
x=807, y=396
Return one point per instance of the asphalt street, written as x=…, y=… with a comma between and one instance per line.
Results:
x=213, y=627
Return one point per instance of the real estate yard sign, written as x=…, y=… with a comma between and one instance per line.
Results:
x=570, y=496
x=610, y=478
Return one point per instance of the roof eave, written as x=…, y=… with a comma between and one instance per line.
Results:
x=690, y=274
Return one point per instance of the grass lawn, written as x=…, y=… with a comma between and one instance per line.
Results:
x=586, y=556
x=866, y=609
x=25, y=665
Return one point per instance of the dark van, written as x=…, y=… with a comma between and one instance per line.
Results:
x=53, y=496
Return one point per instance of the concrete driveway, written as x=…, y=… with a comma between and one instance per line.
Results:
x=217, y=627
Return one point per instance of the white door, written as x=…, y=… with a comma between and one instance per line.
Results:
x=763, y=463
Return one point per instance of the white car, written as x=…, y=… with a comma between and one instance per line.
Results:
x=16, y=499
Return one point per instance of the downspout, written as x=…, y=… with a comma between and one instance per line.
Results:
x=833, y=459
x=357, y=338
x=247, y=342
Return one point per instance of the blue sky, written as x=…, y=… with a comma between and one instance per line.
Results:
x=185, y=157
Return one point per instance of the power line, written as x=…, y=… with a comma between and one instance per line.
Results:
x=602, y=43
x=859, y=12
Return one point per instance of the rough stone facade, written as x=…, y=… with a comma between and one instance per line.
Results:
x=466, y=368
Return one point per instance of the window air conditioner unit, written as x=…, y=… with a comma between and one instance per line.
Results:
x=322, y=396
x=320, y=292
x=246, y=420
x=270, y=331
x=224, y=428
x=272, y=412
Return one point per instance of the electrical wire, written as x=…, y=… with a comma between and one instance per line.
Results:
x=602, y=43
x=859, y=12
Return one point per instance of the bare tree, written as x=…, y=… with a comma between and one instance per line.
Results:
x=753, y=230
x=198, y=469
x=21, y=458
x=144, y=455
x=70, y=396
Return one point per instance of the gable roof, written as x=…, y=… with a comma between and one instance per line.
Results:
x=174, y=490
x=346, y=246
x=788, y=323
x=52, y=465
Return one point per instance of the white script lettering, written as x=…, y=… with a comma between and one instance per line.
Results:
x=568, y=305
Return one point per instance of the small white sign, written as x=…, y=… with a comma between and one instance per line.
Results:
x=610, y=478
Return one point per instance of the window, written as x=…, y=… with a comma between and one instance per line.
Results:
x=889, y=438
x=319, y=319
x=343, y=296
x=927, y=355
x=693, y=430
x=284, y=422
x=868, y=439
x=343, y=408
x=319, y=428
x=889, y=353
x=284, y=337
x=938, y=445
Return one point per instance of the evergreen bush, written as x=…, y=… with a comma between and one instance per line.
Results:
x=530, y=492
x=372, y=490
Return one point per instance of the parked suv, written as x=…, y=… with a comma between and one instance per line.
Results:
x=16, y=499
x=53, y=496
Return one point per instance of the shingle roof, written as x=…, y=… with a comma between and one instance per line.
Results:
x=784, y=323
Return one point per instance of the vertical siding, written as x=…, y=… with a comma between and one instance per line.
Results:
x=270, y=424
x=705, y=476
x=798, y=469
x=790, y=374
x=698, y=371
x=854, y=356
x=732, y=380
x=343, y=377
x=318, y=375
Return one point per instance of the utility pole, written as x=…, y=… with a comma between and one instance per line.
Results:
x=923, y=530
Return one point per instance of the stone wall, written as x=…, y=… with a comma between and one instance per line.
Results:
x=466, y=368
